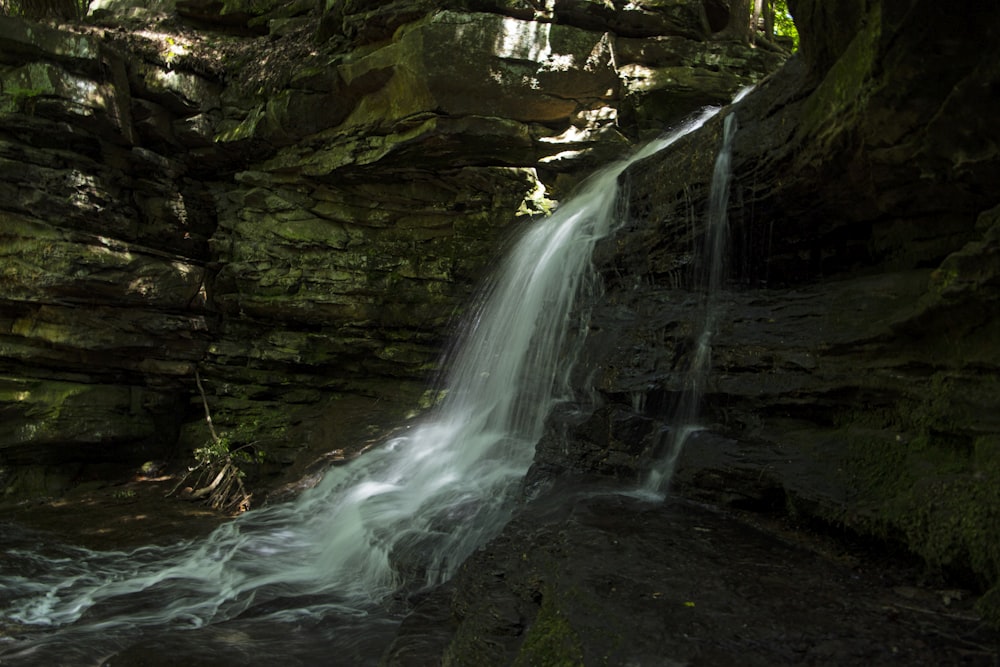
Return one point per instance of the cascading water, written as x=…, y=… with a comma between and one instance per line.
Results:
x=682, y=420
x=404, y=515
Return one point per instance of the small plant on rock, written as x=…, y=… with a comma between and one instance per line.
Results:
x=216, y=477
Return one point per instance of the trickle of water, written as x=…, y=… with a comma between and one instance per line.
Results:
x=404, y=515
x=682, y=421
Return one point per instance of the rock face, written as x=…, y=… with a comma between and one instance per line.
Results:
x=293, y=202
x=853, y=379
x=852, y=383
x=854, y=373
x=590, y=578
x=102, y=281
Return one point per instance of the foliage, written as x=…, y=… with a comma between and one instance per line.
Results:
x=45, y=9
x=220, y=465
x=124, y=495
x=765, y=22
x=233, y=445
x=217, y=476
x=784, y=24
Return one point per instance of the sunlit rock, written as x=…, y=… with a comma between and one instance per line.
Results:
x=288, y=193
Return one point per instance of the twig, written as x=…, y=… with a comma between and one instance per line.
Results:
x=198, y=494
x=226, y=490
x=955, y=617
x=204, y=401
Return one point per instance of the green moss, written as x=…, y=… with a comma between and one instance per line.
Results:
x=18, y=94
x=916, y=479
x=551, y=641
x=21, y=99
x=243, y=130
x=843, y=91
x=944, y=278
x=38, y=407
x=989, y=606
x=32, y=481
x=310, y=231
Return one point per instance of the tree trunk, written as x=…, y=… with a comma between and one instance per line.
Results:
x=769, y=19
x=739, y=21
x=758, y=8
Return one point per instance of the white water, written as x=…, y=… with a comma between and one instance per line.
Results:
x=405, y=514
x=683, y=419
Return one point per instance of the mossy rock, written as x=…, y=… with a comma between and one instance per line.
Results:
x=939, y=496
x=551, y=640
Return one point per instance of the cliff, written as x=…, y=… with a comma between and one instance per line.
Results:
x=293, y=201
x=852, y=387
x=854, y=367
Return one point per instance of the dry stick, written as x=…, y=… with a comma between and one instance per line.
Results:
x=228, y=476
x=204, y=401
x=205, y=490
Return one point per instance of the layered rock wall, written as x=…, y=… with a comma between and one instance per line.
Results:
x=852, y=388
x=293, y=201
x=853, y=374
x=103, y=243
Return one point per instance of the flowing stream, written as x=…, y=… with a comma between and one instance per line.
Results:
x=401, y=518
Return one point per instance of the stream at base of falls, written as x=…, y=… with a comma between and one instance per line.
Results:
x=763, y=593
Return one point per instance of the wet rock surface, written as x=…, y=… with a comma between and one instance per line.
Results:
x=853, y=363
x=591, y=577
x=835, y=396
x=588, y=573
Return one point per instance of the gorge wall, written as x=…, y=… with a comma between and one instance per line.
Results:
x=852, y=388
x=296, y=202
x=292, y=201
x=854, y=373
x=853, y=380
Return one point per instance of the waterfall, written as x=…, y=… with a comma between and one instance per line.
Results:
x=682, y=420
x=403, y=516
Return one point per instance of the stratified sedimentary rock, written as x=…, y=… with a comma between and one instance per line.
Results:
x=295, y=201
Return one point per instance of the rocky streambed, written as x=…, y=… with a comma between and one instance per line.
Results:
x=589, y=573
